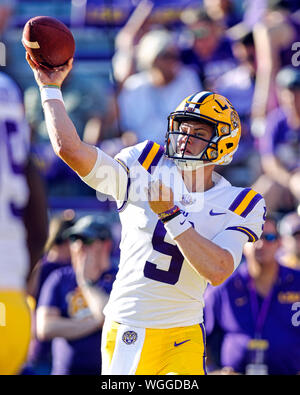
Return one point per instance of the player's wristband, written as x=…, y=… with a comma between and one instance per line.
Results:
x=165, y=220
x=177, y=225
x=50, y=92
x=169, y=214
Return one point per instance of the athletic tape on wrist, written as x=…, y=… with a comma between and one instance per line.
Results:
x=50, y=92
x=177, y=225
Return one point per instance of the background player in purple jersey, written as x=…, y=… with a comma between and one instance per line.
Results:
x=23, y=225
x=57, y=255
x=252, y=313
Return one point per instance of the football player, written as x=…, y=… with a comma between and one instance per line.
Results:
x=23, y=226
x=183, y=225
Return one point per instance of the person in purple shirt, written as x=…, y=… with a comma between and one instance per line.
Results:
x=57, y=255
x=211, y=53
x=66, y=311
x=56, y=251
x=280, y=147
x=252, y=313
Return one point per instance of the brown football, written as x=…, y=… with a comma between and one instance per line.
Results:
x=48, y=41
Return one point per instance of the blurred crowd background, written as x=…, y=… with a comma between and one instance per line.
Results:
x=134, y=61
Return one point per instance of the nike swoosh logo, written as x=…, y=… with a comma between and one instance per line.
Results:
x=178, y=344
x=192, y=223
x=213, y=213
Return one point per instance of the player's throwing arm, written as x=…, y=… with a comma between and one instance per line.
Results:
x=66, y=143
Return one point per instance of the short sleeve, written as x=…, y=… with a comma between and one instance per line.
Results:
x=111, y=176
x=253, y=219
x=128, y=159
x=245, y=226
x=108, y=176
x=233, y=242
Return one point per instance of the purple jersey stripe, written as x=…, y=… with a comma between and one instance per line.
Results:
x=156, y=159
x=122, y=207
x=123, y=164
x=145, y=152
x=251, y=235
x=239, y=199
x=251, y=205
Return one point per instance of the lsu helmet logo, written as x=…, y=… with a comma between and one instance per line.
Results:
x=129, y=337
x=190, y=109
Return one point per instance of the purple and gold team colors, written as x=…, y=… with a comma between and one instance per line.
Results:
x=157, y=294
x=230, y=307
x=80, y=356
x=14, y=148
x=153, y=351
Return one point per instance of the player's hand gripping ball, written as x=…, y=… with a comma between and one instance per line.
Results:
x=48, y=41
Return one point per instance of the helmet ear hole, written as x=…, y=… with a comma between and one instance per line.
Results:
x=229, y=145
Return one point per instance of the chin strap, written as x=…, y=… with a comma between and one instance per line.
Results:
x=191, y=165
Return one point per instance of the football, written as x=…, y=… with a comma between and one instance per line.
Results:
x=48, y=41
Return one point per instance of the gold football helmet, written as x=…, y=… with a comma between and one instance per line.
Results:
x=215, y=110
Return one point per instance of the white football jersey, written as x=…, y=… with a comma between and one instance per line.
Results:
x=14, y=148
x=155, y=286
